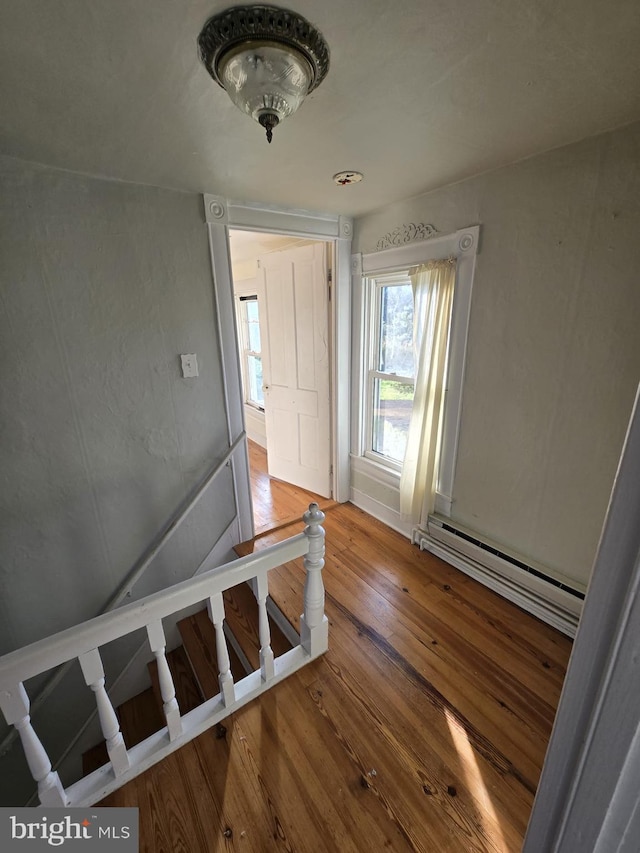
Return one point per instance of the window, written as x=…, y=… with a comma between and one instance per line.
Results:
x=379, y=474
x=251, y=351
x=391, y=368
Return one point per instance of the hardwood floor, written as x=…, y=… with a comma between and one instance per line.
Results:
x=423, y=728
x=276, y=504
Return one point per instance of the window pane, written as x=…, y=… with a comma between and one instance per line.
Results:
x=396, y=330
x=392, y=403
x=254, y=370
x=253, y=325
x=252, y=308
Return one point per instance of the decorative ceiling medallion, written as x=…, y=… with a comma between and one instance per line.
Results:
x=343, y=179
x=406, y=234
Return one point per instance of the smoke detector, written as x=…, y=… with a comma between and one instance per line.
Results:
x=345, y=178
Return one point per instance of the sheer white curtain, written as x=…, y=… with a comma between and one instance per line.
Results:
x=433, y=285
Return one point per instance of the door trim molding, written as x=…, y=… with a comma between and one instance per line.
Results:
x=220, y=215
x=229, y=356
x=588, y=797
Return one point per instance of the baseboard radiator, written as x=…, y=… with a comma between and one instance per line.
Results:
x=538, y=593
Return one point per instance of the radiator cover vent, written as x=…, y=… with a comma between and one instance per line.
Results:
x=525, y=568
x=555, y=602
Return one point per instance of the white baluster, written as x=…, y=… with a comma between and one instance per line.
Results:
x=158, y=645
x=15, y=707
x=314, y=625
x=266, y=652
x=93, y=672
x=215, y=606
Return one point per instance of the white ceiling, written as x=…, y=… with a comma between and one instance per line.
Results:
x=420, y=93
x=248, y=245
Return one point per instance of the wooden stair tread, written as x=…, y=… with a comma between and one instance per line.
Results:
x=243, y=549
x=280, y=529
x=140, y=717
x=194, y=670
x=296, y=517
x=199, y=642
x=241, y=613
x=94, y=758
x=187, y=690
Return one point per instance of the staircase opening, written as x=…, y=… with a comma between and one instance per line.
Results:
x=194, y=670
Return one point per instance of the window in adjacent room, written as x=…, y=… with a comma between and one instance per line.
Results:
x=251, y=351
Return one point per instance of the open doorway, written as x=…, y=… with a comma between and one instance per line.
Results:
x=281, y=297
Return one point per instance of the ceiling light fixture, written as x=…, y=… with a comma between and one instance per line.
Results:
x=267, y=59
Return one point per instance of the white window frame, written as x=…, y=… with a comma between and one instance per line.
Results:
x=243, y=323
x=373, y=297
x=462, y=245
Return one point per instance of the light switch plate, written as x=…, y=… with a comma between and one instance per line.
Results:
x=189, y=365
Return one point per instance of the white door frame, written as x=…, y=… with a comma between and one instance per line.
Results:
x=588, y=798
x=221, y=214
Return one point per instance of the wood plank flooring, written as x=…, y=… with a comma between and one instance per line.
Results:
x=423, y=728
x=276, y=504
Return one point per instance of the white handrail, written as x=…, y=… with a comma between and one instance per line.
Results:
x=43, y=655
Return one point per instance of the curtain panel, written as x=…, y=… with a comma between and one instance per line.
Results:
x=433, y=286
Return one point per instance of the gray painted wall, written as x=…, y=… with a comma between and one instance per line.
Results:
x=553, y=357
x=103, y=285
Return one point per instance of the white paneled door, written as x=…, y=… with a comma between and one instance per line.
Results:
x=296, y=370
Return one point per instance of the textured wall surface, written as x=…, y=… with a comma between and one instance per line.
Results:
x=553, y=358
x=103, y=285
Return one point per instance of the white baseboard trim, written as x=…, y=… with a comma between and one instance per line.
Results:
x=255, y=426
x=383, y=513
x=530, y=599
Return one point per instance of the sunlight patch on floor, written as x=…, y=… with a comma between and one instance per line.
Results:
x=475, y=783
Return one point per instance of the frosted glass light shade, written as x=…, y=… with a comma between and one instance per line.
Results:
x=265, y=77
x=266, y=58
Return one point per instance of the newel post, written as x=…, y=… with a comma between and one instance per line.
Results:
x=314, y=625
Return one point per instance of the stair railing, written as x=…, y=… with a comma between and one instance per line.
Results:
x=125, y=588
x=83, y=642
